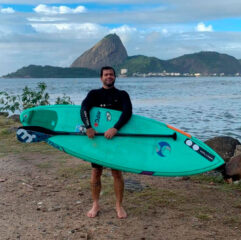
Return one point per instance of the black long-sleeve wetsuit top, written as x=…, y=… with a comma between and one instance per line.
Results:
x=107, y=98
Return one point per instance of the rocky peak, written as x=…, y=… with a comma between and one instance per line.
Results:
x=109, y=51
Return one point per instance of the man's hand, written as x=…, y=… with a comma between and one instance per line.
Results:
x=110, y=133
x=90, y=132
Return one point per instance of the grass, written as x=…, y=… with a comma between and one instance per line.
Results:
x=237, y=205
x=151, y=198
x=218, y=181
x=208, y=179
x=74, y=172
x=204, y=217
x=45, y=165
x=232, y=220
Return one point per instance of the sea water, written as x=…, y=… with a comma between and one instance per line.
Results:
x=205, y=107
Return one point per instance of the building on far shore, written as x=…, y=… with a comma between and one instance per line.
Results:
x=123, y=72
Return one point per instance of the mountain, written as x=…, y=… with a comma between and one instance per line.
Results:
x=206, y=63
x=142, y=64
x=34, y=71
x=109, y=51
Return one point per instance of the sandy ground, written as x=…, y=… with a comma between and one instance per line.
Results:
x=45, y=194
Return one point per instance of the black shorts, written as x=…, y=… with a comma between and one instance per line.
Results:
x=94, y=165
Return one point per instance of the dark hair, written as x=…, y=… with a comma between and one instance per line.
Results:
x=106, y=68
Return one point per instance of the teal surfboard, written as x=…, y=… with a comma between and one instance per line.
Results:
x=157, y=156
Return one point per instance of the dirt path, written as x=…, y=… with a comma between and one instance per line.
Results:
x=44, y=194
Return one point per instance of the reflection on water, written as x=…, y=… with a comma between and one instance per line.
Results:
x=204, y=107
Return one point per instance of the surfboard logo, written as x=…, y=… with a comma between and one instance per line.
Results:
x=108, y=116
x=199, y=150
x=24, y=136
x=97, y=119
x=164, y=150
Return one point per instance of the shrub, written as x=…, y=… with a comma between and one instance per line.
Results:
x=29, y=98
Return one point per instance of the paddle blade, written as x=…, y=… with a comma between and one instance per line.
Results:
x=29, y=136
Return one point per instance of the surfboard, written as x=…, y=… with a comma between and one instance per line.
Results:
x=156, y=154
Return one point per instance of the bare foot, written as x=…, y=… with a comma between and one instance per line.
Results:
x=121, y=213
x=93, y=212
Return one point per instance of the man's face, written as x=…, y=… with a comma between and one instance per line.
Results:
x=108, y=78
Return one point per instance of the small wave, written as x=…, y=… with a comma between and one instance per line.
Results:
x=228, y=115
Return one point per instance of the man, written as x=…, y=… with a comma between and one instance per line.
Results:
x=107, y=97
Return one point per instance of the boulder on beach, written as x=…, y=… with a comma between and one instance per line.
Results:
x=233, y=168
x=237, y=150
x=224, y=146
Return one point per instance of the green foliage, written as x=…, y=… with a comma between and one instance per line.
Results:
x=63, y=100
x=143, y=64
x=8, y=102
x=29, y=98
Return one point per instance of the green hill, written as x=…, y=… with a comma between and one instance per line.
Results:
x=143, y=64
x=207, y=63
x=34, y=71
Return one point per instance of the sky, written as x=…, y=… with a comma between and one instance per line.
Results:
x=57, y=32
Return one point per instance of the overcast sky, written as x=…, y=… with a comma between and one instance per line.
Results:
x=57, y=32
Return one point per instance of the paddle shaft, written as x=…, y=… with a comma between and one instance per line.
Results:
x=123, y=134
x=57, y=133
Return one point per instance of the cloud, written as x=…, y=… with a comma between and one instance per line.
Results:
x=7, y=10
x=45, y=19
x=125, y=32
x=71, y=30
x=202, y=28
x=53, y=10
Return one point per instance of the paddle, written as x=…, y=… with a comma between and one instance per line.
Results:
x=38, y=134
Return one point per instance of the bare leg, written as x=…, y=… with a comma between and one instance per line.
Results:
x=119, y=192
x=95, y=190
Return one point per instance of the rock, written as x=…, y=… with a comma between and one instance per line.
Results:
x=233, y=168
x=27, y=185
x=108, y=52
x=3, y=179
x=133, y=185
x=237, y=150
x=224, y=146
x=185, y=178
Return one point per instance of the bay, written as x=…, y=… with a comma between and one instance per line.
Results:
x=205, y=107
